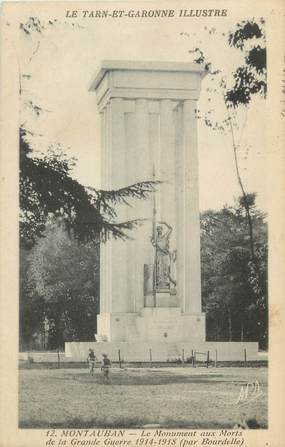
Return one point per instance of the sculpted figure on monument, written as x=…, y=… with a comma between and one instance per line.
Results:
x=164, y=258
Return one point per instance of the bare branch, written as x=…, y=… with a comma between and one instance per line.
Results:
x=35, y=51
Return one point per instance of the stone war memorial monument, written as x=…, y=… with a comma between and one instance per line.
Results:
x=150, y=284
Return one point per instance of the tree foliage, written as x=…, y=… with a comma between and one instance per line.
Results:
x=63, y=275
x=235, y=309
x=31, y=305
x=250, y=78
x=244, y=31
x=245, y=80
x=47, y=187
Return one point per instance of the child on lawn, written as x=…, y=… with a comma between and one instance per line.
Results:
x=91, y=361
x=105, y=368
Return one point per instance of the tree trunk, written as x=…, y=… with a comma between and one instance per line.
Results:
x=242, y=331
x=230, y=324
x=245, y=204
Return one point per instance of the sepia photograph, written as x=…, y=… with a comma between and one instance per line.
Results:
x=142, y=220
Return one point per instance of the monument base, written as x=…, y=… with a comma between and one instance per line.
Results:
x=152, y=324
x=164, y=351
x=158, y=334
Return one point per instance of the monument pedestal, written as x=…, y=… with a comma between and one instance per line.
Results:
x=152, y=324
x=164, y=351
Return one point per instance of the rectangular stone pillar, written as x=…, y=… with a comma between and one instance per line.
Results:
x=166, y=171
x=148, y=123
x=180, y=203
x=191, y=211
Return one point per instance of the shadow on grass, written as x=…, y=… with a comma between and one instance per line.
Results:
x=165, y=378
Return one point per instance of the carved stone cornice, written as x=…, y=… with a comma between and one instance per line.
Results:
x=150, y=80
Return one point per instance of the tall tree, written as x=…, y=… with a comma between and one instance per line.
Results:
x=235, y=90
x=63, y=274
x=233, y=310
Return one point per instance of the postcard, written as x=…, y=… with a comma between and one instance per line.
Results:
x=142, y=223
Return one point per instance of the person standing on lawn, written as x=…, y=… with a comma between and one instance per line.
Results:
x=91, y=359
x=105, y=368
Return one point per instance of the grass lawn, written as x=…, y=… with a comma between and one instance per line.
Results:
x=169, y=397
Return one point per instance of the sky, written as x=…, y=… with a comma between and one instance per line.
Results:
x=62, y=61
